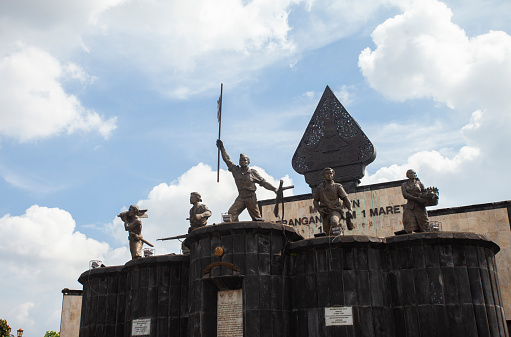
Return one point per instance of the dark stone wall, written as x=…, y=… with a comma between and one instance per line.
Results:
x=444, y=284
x=343, y=271
x=154, y=287
x=430, y=284
x=257, y=251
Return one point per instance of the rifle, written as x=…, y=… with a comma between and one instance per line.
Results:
x=280, y=198
x=182, y=236
x=146, y=242
x=141, y=214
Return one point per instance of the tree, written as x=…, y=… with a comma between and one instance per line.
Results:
x=51, y=334
x=5, y=329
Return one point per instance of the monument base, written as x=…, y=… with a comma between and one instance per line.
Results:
x=271, y=282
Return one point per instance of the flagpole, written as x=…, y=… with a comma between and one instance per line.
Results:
x=219, y=129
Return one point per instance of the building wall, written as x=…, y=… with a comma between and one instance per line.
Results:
x=71, y=311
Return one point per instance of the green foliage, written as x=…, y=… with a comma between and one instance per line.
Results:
x=5, y=329
x=51, y=334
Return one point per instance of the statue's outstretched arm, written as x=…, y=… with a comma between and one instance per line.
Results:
x=260, y=180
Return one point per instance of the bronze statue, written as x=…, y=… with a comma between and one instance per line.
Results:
x=199, y=213
x=326, y=201
x=245, y=179
x=133, y=225
x=415, y=216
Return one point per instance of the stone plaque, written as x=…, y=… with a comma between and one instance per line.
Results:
x=141, y=327
x=338, y=316
x=230, y=313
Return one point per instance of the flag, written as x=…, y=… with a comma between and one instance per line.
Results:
x=219, y=107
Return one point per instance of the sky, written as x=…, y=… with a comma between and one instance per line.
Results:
x=108, y=103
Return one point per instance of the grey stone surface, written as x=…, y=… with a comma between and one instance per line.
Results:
x=427, y=284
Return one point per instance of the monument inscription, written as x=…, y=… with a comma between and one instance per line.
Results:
x=141, y=327
x=338, y=316
x=230, y=313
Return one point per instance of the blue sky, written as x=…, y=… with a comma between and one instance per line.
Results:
x=111, y=103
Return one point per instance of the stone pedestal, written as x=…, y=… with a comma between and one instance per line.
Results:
x=428, y=284
x=154, y=288
x=253, y=259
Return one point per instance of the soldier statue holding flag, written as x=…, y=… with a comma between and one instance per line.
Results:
x=245, y=179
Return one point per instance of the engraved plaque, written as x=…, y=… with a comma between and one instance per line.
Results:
x=141, y=327
x=230, y=313
x=338, y=316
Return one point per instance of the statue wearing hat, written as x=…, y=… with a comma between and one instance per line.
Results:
x=246, y=180
x=199, y=213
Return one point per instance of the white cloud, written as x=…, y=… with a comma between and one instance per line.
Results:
x=431, y=162
x=22, y=314
x=42, y=253
x=421, y=53
x=34, y=103
x=193, y=43
x=52, y=25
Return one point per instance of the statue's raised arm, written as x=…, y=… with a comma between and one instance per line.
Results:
x=246, y=180
x=225, y=156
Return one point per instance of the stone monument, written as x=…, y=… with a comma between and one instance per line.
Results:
x=333, y=139
x=264, y=279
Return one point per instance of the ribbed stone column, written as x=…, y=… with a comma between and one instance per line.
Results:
x=253, y=260
x=154, y=288
x=346, y=271
x=428, y=284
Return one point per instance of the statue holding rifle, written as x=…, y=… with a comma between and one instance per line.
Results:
x=199, y=215
x=133, y=225
x=326, y=201
x=246, y=180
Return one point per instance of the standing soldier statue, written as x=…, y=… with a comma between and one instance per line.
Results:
x=415, y=215
x=133, y=225
x=326, y=201
x=245, y=179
